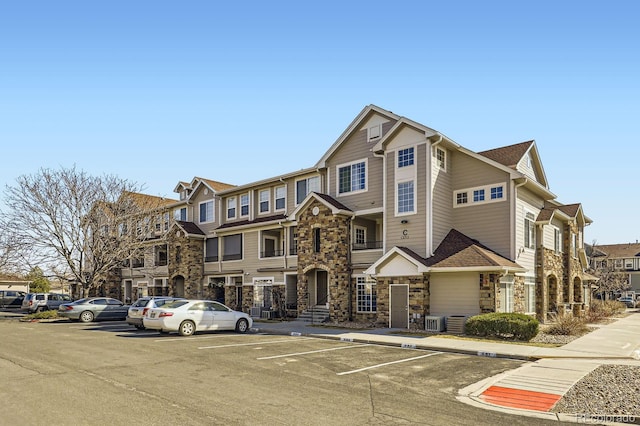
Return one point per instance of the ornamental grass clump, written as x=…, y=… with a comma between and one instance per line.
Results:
x=503, y=325
x=567, y=325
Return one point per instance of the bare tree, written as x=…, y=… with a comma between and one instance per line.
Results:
x=79, y=227
x=610, y=280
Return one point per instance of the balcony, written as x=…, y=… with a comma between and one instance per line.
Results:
x=272, y=253
x=368, y=245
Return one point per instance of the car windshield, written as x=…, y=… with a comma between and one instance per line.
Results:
x=174, y=304
x=140, y=303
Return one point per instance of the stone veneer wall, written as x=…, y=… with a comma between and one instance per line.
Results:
x=488, y=291
x=189, y=264
x=418, y=299
x=553, y=264
x=333, y=257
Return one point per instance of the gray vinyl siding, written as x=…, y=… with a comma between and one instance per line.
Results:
x=442, y=210
x=549, y=234
x=354, y=149
x=489, y=223
x=194, y=217
x=526, y=201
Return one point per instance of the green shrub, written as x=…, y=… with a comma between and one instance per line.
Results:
x=43, y=315
x=567, y=325
x=503, y=325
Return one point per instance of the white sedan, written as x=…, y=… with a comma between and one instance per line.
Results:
x=189, y=316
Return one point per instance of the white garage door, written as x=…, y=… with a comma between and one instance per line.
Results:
x=455, y=294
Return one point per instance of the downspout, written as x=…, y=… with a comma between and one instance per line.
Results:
x=429, y=229
x=350, y=292
x=514, y=187
x=384, y=201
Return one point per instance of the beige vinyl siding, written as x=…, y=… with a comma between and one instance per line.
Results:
x=549, y=234
x=454, y=294
x=441, y=188
x=489, y=223
x=356, y=149
x=412, y=234
x=527, y=169
x=526, y=201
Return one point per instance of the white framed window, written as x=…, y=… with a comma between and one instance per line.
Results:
x=529, y=230
x=180, y=214
x=206, y=211
x=441, y=158
x=231, y=207
x=492, y=193
x=280, y=195
x=530, y=295
x=359, y=236
x=557, y=240
x=405, y=157
x=265, y=198
x=244, y=205
x=367, y=298
x=478, y=195
x=306, y=186
x=506, y=294
x=405, y=194
x=352, y=177
x=462, y=198
x=374, y=133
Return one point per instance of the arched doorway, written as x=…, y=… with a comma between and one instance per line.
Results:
x=318, y=280
x=178, y=286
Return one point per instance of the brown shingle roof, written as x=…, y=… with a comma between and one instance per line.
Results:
x=335, y=203
x=457, y=250
x=508, y=155
x=619, y=250
x=149, y=201
x=190, y=228
x=570, y=209
x=217, y=186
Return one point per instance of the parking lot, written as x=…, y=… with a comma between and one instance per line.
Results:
x=111, y=373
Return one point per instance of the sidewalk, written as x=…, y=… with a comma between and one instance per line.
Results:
x=530, y=390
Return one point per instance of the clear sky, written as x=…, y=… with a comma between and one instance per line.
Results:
x=158, y=92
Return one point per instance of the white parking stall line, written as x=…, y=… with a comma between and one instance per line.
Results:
x=101, y=325
x=252, y=344
x=190, y=338
x=313, y=352
x=387, y=363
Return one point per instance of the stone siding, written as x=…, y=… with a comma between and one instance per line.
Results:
x=185, y=258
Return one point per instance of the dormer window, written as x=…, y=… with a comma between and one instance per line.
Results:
x=374, y=133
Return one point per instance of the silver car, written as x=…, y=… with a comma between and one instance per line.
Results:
x=94, y=309
x=140, y=307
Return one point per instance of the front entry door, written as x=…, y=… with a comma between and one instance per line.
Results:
x=399, y=294
x=322, y=293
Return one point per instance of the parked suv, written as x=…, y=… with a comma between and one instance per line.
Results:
x=142, y=305
x=38, y=302
x=11, y=298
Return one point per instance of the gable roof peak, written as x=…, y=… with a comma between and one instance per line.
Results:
x=508, y=155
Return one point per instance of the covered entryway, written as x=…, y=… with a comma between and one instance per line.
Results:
x=399, y=303
x=322, y=288
x=455, y=293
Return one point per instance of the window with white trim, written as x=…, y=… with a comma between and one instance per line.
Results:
x=352, y=177
x=244, y=205
x=557, y=240
x=280, y=197
x=306, y=186
x=529, y=230
x=206, y=211
x=360, y=235
x=231, y=208
x=405, y=196
x=441, y=158
x=506, y=294
x=529, y=295
x=367, y=298
x=264, y=200
x=405, y=157
x=479, y=195
x=180, y=214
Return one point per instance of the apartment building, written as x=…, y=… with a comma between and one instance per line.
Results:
x=617, y=262
x=394, y=224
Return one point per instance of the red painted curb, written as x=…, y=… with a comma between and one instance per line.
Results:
x=520, y=398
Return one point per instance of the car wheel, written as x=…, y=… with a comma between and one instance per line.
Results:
x=86, y=316
x=140, y=327
x=40, y=309
x=187, y=328
x=242, y=325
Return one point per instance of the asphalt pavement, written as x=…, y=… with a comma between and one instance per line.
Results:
x=530, y=390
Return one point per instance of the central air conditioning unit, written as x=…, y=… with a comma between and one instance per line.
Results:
x=455, y=324
x=256, y=311
x=432, y=323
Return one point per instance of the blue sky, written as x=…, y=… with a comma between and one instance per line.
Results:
x=161, y=91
